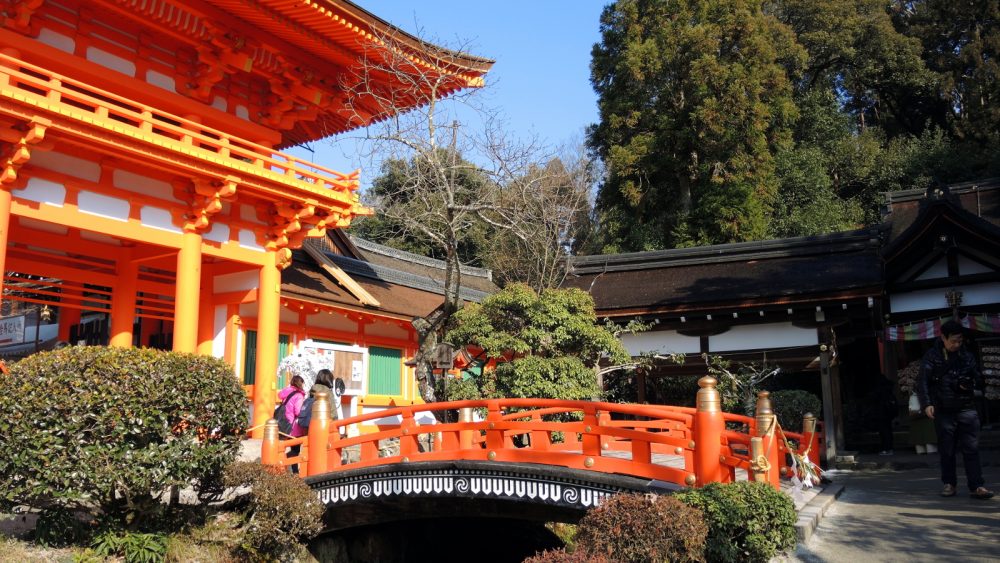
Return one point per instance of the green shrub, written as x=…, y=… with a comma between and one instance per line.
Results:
x=89, y=427
x=133, y=546
x=747, y=521
x=792, y=404
x=278, y=510
x=641, y=528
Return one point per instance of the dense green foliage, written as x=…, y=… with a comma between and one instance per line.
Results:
x=111, y=428
x=695, y=99
x=731, y=120
x=641, y=528
x=792, y=404
x=278, y=511
x=550, y=342
x=747, y=521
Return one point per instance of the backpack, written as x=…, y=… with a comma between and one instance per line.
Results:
x=284, y=426
x=305, y=415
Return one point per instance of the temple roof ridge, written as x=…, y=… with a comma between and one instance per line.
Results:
x=845, y=241
x=369, y=246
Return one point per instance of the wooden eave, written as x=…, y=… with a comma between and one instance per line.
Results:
x=920, y=240
x=874, y=291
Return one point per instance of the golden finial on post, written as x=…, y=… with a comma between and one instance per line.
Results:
x=808, y=423
x=708, y=399
x=764, y=414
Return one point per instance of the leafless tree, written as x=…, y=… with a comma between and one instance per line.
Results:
x=425, y=115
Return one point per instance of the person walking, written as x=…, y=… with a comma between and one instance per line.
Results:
x=948, y=383
x=292, y=398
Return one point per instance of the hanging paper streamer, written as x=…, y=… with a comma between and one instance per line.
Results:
x=930, y=328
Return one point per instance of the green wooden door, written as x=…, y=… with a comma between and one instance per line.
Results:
x=385, y=371
x=250, y=357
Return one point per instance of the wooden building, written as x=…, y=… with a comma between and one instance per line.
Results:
x=821, y=306
x=141, y=180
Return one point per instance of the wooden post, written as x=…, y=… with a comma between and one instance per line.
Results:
x=756, y=452
x=826, y=381
x=319, y=435
x=809, y=433
x=708, y=428
x=465, y=436
x=766, y=424
x=270, y=450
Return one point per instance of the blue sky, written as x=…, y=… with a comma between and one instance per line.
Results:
x=541, y=79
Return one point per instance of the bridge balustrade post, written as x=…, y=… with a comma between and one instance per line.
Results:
x=767, y=423
x=319, y=435
x=408, y=439
x=709, y=425
x=494, y=436
x=810, y=434
x=591, y=436
x=539, y=438
x=270, y=448
x=756, y=452
x=465, y=436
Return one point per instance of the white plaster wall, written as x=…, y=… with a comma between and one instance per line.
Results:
x=219, y=232
x=57, y=40
x=978, y=294
x=144, y=185
x=66, y=164
x=219, y=331
x=158, y=218
x=386, y=330
x=108, y=60
x=103, y=206
x=660, y=342
x=240, y=281
x=288, y=316
x=249, y=240
x=161, y=80
x=937, y=271
x=762, y=336
x=332, y=322
x=42, y=191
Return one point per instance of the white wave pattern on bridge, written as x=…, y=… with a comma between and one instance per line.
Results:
x=501, y=487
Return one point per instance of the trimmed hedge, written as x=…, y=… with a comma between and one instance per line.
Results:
x=792, y=404
x=107, y=429
x=640, y=528
x=747, y=521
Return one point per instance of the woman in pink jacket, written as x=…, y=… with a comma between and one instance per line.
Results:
x=295, y=396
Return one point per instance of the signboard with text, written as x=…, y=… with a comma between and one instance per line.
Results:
x=12, y=330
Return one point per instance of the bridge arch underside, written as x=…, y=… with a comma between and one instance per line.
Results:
x=466, y=489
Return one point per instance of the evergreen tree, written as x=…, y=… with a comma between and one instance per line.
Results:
x=695, y=100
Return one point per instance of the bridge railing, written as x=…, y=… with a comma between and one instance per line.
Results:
x=689, y=446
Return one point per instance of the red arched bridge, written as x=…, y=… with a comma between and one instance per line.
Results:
x=500, y=456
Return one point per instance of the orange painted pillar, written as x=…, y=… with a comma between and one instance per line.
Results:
x=766, y=425
x=5, y=198
x=268, y=318
x=319, y=435
x=187, y=293
x=270, y=449
x=709, y=425
x=123, y=302
x=206, y=314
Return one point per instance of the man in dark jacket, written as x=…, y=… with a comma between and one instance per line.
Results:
x=948, y=384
